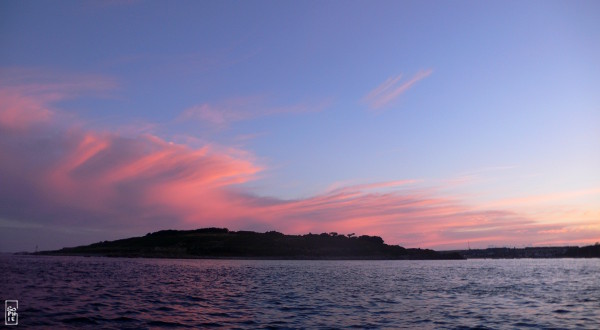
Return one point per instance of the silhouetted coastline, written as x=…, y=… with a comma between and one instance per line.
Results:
x=222, y=243
x=590, y=251
x=225, y=244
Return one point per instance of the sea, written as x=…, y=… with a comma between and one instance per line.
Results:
x=119, y=293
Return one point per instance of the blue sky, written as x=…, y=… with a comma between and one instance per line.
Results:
x=487, y=106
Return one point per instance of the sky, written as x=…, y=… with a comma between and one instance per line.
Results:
x=432, y=124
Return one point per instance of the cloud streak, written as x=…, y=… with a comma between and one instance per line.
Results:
x=12, y=115
x=230, y=111
x=391, y=89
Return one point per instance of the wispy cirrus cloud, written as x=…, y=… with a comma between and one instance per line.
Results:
x=11, y=114
x=48, y=86
x=391, y=89
x=27, y=94
x=233, y=110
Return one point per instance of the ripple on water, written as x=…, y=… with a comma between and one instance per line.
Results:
x=58, y=292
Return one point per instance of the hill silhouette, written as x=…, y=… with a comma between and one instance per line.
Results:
x=590, y=251
x=222, y=243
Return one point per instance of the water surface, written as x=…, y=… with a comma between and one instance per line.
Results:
x=140, y=293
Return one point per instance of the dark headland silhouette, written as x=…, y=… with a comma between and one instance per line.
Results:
x=590, y=251
x=223, y=243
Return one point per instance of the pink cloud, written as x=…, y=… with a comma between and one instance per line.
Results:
x=26, y=94
x=391, y=89
x=215, y=116
x=47, y=86
x=19, y=112
x=229, y=111
x=81, y=176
